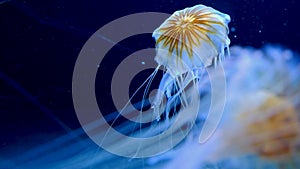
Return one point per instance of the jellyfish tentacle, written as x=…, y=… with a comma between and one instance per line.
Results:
x=164, y=87
x=147, y=87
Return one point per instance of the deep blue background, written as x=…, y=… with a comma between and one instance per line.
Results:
x=40, y=41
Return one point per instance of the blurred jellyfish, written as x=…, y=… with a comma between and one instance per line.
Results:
x=272, y=128
x=187, y=42
x=261, y=123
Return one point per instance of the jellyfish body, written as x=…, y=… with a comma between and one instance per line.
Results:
x=187, y=42
x=272, y=128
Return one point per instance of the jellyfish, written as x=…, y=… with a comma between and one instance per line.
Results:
x=186, y=43
x=272, y=128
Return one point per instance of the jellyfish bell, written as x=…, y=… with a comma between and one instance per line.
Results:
x=186, y=43
x=191, y=38
x=272, y=129
x=269, y=129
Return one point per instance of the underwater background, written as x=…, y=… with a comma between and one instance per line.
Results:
x=41, y=40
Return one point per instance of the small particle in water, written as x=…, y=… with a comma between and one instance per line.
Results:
x=259, y=31
x=232, y=29
x=143, y=63
x=235, y=36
